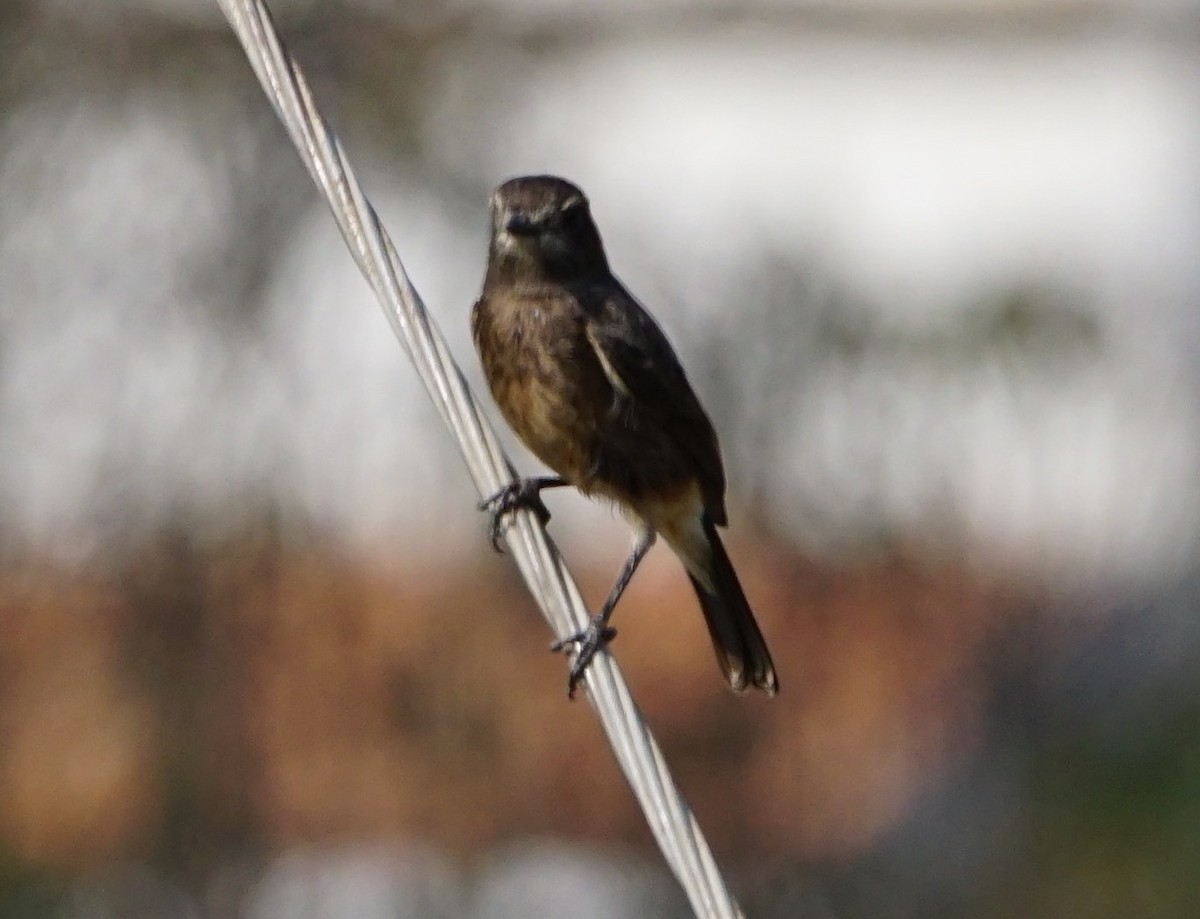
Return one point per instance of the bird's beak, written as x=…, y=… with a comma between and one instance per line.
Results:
x=520, y=225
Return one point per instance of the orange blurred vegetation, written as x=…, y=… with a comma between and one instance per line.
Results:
x=267, y=690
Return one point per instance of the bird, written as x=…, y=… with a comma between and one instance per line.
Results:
x=588, y=381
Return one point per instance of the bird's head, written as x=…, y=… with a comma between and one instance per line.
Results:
x=541, y=227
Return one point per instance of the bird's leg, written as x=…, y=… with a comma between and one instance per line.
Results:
x=598, y=632
x=523, y=493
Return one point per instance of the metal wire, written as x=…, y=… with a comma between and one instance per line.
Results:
x=667, y=813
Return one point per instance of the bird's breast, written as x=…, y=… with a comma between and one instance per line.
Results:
x=545, y=379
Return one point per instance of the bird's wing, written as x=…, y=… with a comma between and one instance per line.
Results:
x=643, y=369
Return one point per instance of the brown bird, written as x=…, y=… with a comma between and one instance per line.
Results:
x=590, y=384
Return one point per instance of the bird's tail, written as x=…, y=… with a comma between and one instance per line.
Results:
x=741, y=650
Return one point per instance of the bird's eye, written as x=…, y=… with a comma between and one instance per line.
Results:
x=573, y=214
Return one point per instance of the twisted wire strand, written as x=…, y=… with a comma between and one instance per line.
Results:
x=668, y=815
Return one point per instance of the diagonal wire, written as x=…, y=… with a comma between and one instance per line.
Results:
x=668, y=815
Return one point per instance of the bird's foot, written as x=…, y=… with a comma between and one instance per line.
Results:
x=522, y=494
x=588, y=642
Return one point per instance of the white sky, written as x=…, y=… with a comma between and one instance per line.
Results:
x=923, y=174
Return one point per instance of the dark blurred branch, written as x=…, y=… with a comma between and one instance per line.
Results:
x=935, y=22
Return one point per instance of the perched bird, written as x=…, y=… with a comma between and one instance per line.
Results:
x=590, y=384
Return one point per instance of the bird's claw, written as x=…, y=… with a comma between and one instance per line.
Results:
x=522, y=494
x=588, y=642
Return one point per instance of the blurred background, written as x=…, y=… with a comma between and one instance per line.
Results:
x=932, y=265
